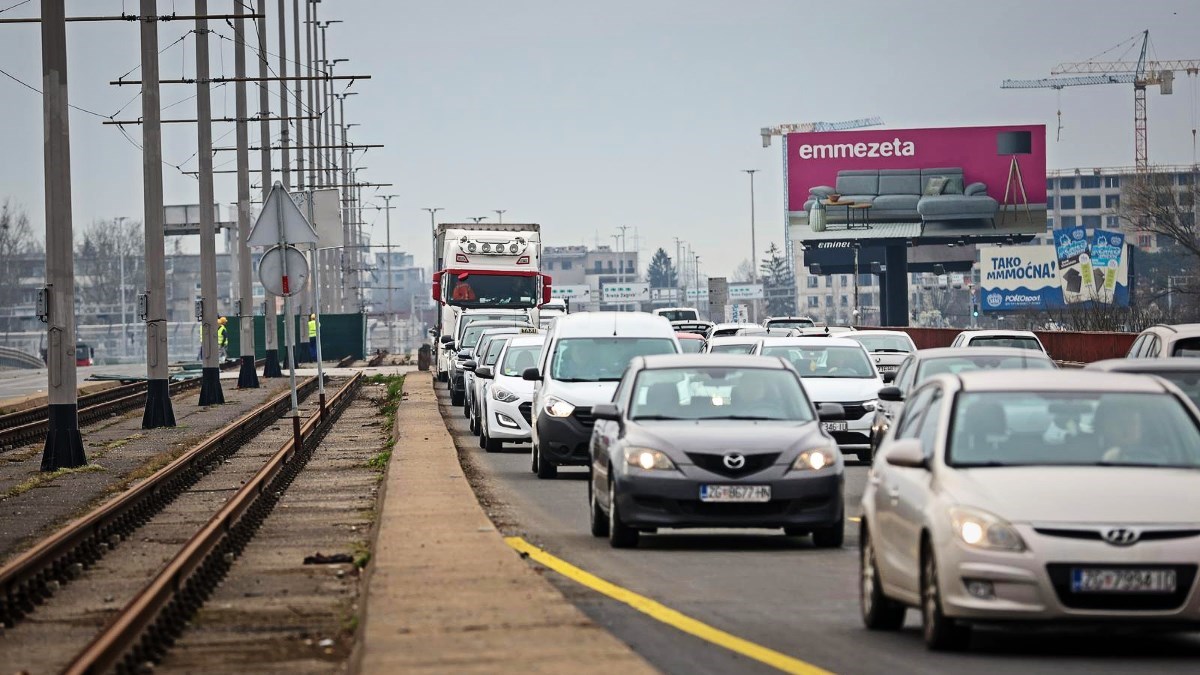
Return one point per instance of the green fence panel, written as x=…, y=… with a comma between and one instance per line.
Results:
x=342, y=335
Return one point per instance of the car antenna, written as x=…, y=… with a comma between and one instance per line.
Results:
x=614, y=324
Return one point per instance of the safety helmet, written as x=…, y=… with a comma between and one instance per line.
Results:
x=222, y=321
x=312, y=317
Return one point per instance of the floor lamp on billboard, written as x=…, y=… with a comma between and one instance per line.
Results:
x=1013, y=143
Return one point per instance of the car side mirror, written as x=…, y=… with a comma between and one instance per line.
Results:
x=469, y=365
x=907, y=453
x=531, y=375
x=484, y=372
x=830, y=412
x=464, y=353
x=446, y=339
x=889, y=376
x=606, y=411
x=891, y=394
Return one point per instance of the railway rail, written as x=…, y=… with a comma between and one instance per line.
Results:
x=29, y=426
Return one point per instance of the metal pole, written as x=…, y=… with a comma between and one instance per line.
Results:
x=310, y=15
x=327, y=90
x=64, y=443
x=391, y=309
x=312, y=254
x=287, y=313
x=270, y=322
x=500, y=215
x=159, y=412
x=247, y=375
x=753, y=245
x=210, y=383
x=305, y=293
x=285, y=163
x=120, y=221
x=347, y=225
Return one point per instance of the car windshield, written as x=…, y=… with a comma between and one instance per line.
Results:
x=960, y=364
x=1187, y=381
x=494, y=348
x=821, y=361
x=492, y=290
x=790, y=323
x=602, y=359
x=1076, y=428
x=472, y=334
x=1014, y=341
x=469, y=319
x=743, y=348
x=690, y=346
x=679, y=314
x=884, y=343
x=1186, y=347
x=517, y=359
x=718, y=393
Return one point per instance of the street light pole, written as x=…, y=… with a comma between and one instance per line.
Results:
x=391, y=311
x=433, y=265
x=753, y=244
x=120, y=222
x=500, y=215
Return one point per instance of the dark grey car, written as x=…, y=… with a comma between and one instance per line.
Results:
x=714, y=441
x=1181, y=372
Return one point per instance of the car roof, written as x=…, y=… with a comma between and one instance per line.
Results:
x=1146, y=365
x=498, y=323
x=868, y=332
x=997, y=332
x=527, y=340
x=1057, y=380
x=735, y=339
x=1176, y=328
x=950, y=352
x=730, y=324
x=710, y=361
x=788, y=318
x=616, y=324
x=810, y=342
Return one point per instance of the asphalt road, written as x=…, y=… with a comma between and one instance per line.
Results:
x=776, y=591
x=20, y=382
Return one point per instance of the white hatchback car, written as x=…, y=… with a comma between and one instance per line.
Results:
x=1027, y=496
x=835, y=370
x=889, y=348
x=1019, y=339
x=506, y=410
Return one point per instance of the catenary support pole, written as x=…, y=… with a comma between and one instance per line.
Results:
x=64, y=443
x=391, y=310
x=159, y=411
x=210, y=378
x=247, y=375
x=270, y=322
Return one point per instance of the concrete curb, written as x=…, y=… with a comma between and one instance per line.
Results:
x=445, y=593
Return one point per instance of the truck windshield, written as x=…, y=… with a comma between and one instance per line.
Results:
x=480, y=289
x=679, y=314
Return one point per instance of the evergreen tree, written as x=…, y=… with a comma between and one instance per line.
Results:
x=779, y=284
x=661, y=272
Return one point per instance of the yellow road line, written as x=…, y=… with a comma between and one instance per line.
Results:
x=666, y=615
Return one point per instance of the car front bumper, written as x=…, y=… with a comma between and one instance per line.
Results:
x=512, y=414
x=1035, y=585
x=857, y=435
x=563, y=440
x=672, y=499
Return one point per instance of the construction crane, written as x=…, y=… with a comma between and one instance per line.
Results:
x=805, y=127
x=1141, y=74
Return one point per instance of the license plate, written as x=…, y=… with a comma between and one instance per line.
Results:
x=834, y=426
x=888, y=369
x=735, y=493
x=1100, y=580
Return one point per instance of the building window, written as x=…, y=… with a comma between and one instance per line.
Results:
x=866, y=279
x=829, y=281
x=842, y=280
x=611, y=266
x=845, y=301
x=1112, y=202
x=829, y=301
x=866, y=299
x=1066, y=183
x=1049, y=222
x=1089, y=182
x=599, y=266
x=813, y=302
x=1112, y=181
x=1089, y=202
x=1144, y=241
x=1187, y=198
x=1185, y=179
x=1068, y=221
x=1091, y=221
x=1049, y=185
x=814, y=282
x=1112, y=222
x=1067, y=202
x=566, y=264
x=1049, y=202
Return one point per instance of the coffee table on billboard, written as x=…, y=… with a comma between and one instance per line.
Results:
x=846, y=203
x=858, y=217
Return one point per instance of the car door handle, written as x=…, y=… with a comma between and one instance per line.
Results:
x=894, y=494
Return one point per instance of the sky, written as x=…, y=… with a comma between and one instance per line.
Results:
x=585, y=116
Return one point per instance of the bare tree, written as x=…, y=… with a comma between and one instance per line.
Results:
x=1152, y=203
x=17, y=245
x=743, y=272
x=107, y=253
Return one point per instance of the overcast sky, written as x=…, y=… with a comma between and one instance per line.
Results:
x=584, y=116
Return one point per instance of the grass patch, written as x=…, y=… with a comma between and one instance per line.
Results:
x=391, y=400
x=380, y=461
x=362, y=554
x=43, y=478
x=149, y=468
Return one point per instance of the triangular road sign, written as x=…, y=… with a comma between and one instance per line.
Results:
x=281, y=221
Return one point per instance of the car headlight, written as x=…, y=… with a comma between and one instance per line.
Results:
x=814, y=460
x=871, y=405
x=980, y=529
x=503, y=395
x=648, y=459
x=556, y=407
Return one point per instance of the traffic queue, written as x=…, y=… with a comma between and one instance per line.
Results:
x=1002, y=489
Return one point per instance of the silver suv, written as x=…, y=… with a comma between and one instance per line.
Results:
x=1164, y=340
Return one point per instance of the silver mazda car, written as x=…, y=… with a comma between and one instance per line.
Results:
x=714, y=441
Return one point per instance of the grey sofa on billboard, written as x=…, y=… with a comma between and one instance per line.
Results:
x=899, y=195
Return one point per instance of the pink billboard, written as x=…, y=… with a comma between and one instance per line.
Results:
x=952, y=181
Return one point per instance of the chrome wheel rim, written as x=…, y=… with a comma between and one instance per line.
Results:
x=868, y=575
x=612, y=508
x=930, y=595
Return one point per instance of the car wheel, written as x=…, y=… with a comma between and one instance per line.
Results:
x=620, y=535
x=542, y=468
x=466, y=405
x=598, y=518
x=940, y=631
x=473, y=423
x=879, y=612
x=867, y=455
x=456, y=397
x=833, y=536
x=490, y=444
x=533, y=457
x=441, y=377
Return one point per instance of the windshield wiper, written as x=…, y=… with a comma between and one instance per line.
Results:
x=746, y=417
x=988, y=464
x=574, y=379
x=890, y=351
x=1149, y=465
x=656, y=418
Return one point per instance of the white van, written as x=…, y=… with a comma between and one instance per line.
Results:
x=580, y=366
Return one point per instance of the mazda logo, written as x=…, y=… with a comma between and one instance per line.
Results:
x=1121, y=536
x=734, y=461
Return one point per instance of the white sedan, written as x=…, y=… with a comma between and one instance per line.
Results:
x=1032, y=496
x=506, y=408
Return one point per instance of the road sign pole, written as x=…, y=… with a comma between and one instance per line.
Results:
x=287, y=314
x=314, y=274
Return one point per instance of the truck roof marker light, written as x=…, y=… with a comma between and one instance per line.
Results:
x=471, y=247
x=458, y=257
x=523, y=260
